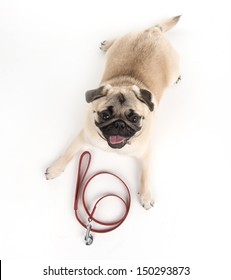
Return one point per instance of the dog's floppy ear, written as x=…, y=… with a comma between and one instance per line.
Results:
x=94, y=94
x=144, y=96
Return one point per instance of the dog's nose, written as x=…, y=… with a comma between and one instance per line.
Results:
x=120, y=125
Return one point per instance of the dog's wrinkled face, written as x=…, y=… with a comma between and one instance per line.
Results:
x=119, y=113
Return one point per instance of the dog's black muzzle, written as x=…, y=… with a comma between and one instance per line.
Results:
x=117, y=133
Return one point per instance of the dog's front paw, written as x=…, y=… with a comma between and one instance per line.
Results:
x=146, y=200
x=54, y=170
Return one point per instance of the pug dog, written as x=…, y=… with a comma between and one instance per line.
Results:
x=139, y=67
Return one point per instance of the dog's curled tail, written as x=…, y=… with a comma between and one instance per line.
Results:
x=165, y=25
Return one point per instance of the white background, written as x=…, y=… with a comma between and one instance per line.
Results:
x=49, y=57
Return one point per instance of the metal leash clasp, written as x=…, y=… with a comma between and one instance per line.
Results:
x=88, y=237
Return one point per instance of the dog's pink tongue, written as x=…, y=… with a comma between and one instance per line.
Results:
x=116, y=139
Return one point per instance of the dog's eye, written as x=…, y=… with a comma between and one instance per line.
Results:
x=134, y=118
x=105, y=115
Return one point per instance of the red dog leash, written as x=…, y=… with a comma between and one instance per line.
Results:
x=81, y=187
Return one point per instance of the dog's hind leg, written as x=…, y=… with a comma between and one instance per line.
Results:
x=105, y=45
x=166, y=25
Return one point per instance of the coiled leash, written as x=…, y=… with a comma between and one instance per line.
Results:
x=80, y=196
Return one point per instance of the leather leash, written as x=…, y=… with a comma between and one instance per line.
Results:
x=80, y=192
